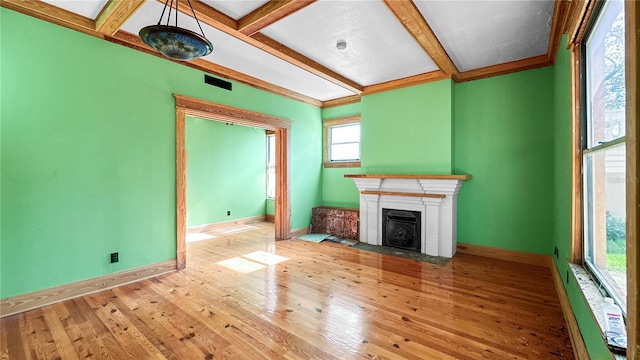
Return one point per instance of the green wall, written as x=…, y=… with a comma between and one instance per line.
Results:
x=226, y=171
x=562, y=203
x=336, y=189
x=88, y=153
x=408, y=130
x=504, y=139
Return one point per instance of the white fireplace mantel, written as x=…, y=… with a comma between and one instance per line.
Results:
x=434, y=196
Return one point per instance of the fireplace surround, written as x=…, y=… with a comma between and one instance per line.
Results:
x=433, y=196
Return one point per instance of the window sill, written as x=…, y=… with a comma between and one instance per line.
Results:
x=342, y=164
x=593, y=296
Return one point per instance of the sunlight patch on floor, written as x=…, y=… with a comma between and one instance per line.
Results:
x=251, y=262
x=241, y=265
x=265, y=257
x=191, y=237
x=236, y=229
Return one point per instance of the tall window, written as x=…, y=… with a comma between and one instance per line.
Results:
x=271, y=166
x=342, y=142
x=604, y=151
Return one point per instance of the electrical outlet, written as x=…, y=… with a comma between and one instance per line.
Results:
x=114, y=257
x=228, y=212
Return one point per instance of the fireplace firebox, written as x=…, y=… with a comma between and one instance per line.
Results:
x=401, y=229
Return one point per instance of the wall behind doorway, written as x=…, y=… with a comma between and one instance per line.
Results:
x=226, y=171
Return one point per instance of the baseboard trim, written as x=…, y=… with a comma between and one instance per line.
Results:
x=20, y=303
x=269, y=218
x=301, y=231
x=225, y=224
x=577, y=342
x=502, y=254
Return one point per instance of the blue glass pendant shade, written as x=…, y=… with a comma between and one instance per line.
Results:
x=176, y=43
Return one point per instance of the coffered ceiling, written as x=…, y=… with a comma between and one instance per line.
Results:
x=289, y=46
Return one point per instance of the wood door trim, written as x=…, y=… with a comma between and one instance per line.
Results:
x=186, y=106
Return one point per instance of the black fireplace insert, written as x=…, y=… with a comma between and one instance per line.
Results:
x=401, y=229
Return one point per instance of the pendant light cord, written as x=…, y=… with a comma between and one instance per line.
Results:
x=195, y=17
x=166, y=3
x=163, y=9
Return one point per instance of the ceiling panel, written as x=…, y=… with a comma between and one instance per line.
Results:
x=86, y=8
x=477, y=34
x=378, y=49
x=235, y=8
x=240, y=56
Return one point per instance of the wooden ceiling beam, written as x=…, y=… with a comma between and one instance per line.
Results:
x=341, y=101
x=560, y=15
x=114, y=14
x=506, y=68
x=287, y=54
x=53, y=14
x=216, y=19
x=411, y=18
x=133, y=41
x=407, y=81
x=269, y=13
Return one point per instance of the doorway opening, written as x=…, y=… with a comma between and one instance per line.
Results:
x=186, y=106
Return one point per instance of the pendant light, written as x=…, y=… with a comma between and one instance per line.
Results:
x=175, y=42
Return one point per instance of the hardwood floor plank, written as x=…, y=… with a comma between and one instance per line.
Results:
x=325, y=301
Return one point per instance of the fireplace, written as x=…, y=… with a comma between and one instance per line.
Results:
x=401, y=229
x=429, y=200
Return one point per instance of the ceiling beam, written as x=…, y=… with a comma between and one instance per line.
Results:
x=283, y=52
x=341, y=101
x=133, y=41
x=47, y=12
x=218, y=20
x=506, y=68
x=115, y=13
x=407, y=81
x=411, y=18
x=269, y=13
x=560, y=14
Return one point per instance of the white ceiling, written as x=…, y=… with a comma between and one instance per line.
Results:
x=484, y=33
x=378, y=49
x=475, y=34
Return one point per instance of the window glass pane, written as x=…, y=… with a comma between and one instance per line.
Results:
x=605, y=217
x=605, y=76
x=271, y=166
x=345, y=133
x=343, y=152
x=271, y=149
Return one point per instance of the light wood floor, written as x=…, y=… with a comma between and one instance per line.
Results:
x=327, y=301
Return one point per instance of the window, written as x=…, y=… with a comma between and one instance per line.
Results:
x=271, y=165
x=603, y=154
x=342, y=142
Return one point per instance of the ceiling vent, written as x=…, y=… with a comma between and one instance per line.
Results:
x=217, y=82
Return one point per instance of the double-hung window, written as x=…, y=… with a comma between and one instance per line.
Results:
x=603, y=150
x=342, y=142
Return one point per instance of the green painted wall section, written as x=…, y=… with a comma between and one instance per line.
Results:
x=336, y=189
x=88, y=154
x=270, y=207
x=504, y=139
x=226, y=171
x=562, y=202
x=408, y=130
